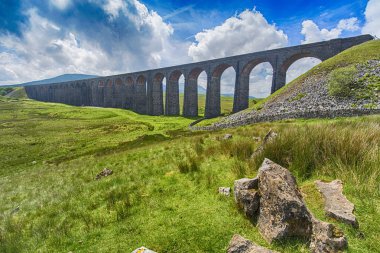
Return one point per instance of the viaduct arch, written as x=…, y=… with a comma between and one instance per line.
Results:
x=143, y=91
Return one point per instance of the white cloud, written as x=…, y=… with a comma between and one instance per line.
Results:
x=350, y=24
x=313, y=33
x=245, y=33
x=372, y=16
x=45, y=51
x=47, y=48
x=112, y=7
x=60, y=4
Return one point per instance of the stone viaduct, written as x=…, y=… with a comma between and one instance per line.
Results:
x=142, y=91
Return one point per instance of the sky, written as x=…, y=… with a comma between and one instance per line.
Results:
x=43, y=39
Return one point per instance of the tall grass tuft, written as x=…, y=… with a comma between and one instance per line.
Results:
x=190, y=163
x=330, y=149
x=241, y=148
x=118, y=200
x=239, y=168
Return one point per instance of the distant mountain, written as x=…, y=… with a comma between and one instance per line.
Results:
x=57, y=79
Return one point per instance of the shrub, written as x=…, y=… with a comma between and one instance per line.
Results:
x=341, y=81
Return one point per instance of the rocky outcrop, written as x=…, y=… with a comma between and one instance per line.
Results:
x=238, y=244
x=104, y=173
x=267, y=139
x=327, y=238
x=143, y=250
x=246, y=184
x=227, y=136
x=226, y=191
x=247, y=196
x=274, y=200
x=283, y=212
x=337, y=205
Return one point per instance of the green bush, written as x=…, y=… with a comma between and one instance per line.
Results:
x=342, y=81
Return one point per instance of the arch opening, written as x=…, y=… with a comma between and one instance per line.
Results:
x=213, y=95
x=140, y=99
x=255, y=82
x=108, y=93
x=129, y=93
x=300, y=66
x=118, y=93
x=260, y=82
x=172, y=94
x=227, y=90
x=194, y=97
x=100, y=93
x=156, y=105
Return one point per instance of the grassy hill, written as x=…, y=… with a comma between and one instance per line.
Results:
x=163, y=192
x=57, y=79
x=351, y=57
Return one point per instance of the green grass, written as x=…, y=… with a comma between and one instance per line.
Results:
x=163, y=192
x=226, y=104
x=342, y=81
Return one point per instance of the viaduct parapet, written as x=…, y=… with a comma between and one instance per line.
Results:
x=142, y=91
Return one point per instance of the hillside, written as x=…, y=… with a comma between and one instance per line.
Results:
x=57, y=79
x=17, y=93
x=163, y=190
x=345, y=85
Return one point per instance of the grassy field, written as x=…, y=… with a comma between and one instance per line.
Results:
x=163, y=193
x=226, y=104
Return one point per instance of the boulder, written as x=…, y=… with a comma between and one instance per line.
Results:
x=226, y=191
x=238, y=244
x=249, y=201
x=247, y=197
x=104, y=173
x=143, y=250
x=267, y=139
x=326, y=238
x=246, y=184
x=283, y=212
x=337, y=205
x=257, y=139
x=269, y=136
x=227, y=136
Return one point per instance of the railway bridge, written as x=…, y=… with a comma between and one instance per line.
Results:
x=143, y=92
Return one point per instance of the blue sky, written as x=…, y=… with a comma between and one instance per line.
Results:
x=42, y=39
x=287, y=15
